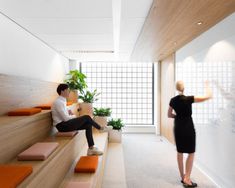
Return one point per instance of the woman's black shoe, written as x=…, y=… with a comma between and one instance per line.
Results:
x=188, y=185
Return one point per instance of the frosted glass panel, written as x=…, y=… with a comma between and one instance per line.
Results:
x=214, y=119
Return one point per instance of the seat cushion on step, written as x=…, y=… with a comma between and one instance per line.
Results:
x=44, y=106
x=12, y=175
x=37, y=152
x=69, y=103
x=24, y=112
x=66, y=134
x=75, y=184
x=87, y=164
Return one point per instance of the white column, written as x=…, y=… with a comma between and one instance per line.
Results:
x=73, y=65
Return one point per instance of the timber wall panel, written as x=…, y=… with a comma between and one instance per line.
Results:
x=18, y=92
x=167, y=92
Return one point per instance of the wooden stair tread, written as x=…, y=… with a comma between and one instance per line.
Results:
x=21, y=132
x=11, y=120
x=41, y=168
x=101, y=140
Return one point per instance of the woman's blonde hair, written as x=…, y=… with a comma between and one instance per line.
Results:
x=179, y=86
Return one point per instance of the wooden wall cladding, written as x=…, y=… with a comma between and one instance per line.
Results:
x=167, y=92
x=19, y=92
x=173, y=23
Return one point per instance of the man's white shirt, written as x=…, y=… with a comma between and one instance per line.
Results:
x=59, y=111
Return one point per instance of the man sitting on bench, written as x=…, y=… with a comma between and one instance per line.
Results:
x=64, y=120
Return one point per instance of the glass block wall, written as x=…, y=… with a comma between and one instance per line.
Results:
x=127, y=88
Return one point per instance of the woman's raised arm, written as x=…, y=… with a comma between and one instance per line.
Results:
x=207, y=95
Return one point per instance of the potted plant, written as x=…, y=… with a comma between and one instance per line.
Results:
x=100, y=115
x=115, y=135
x=76, y=82
x=88, y=98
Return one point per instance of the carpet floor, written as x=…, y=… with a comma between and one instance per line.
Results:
x=146, y=161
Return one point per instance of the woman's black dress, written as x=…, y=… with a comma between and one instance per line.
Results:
x=185, y=136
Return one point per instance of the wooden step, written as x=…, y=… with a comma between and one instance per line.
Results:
x=19, y=132
x=95, y=179
x=50, y=173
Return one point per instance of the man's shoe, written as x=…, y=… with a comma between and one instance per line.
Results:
x=94, y=151
x=105, y=129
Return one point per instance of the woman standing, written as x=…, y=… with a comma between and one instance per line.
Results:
x=184, y=132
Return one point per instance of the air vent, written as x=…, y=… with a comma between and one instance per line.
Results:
x=89, y=51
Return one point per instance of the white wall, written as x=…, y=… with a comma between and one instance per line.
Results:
x=215, y=139
x=22, y=54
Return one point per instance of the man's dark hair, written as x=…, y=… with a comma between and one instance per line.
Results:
x=61, y=87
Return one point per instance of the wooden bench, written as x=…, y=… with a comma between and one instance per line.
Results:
x=50, y=173
x=95, y=179
x=19, y=132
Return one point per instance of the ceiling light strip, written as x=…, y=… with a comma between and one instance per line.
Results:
x=116, y=7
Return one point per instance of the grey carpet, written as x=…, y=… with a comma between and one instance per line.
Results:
x=150, y=162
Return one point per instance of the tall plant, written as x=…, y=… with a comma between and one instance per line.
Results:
x=76, y=80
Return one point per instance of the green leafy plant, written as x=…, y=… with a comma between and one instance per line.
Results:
x=102, y=112
x=117, y=124
x=89, y=97
x=76, y=80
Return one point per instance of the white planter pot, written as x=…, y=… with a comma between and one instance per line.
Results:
x=101, y=120
x=86, y=109
x=115, y=136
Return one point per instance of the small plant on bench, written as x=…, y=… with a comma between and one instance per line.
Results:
x=115, y=135
x=102, y=112
x=100, y=115
x=88, y=98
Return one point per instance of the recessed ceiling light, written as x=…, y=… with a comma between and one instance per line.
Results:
x=199, y=23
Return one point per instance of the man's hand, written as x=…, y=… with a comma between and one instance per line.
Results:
x=70, y=112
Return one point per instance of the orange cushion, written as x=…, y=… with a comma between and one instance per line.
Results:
x=69, y=103
x=44, y=106
x=87, y=164
x=12, y=175
x=74, y=184
x=24, y=112
x=66, y=134
x=38, y=151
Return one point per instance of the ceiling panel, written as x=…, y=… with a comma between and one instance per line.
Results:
x=172, y=24
x=126, y=47
x=73, y=25
x=68, y=26
x=76, y=39
x=90, y=56
x=132, y=19
x=84, y=47
x=57, y=8
x=87, y=24
x=135, y=8
x=130, y=29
